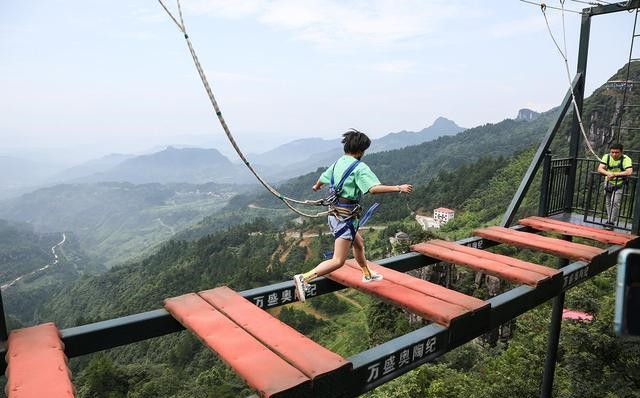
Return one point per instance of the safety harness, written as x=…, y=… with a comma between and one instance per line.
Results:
x=614, y=186
x=349, y=213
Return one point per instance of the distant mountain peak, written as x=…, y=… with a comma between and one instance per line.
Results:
x=445, y=124
x=527, y=114
x=442, y=119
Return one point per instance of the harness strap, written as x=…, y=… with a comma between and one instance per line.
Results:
x=349, y=222
x=345, y=175
x=347, y=226
x=618, y=181
x=368, y=214
x=620, y=164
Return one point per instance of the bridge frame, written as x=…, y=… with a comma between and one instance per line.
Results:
x=391, y=359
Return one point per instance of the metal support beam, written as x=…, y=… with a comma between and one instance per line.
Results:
x=544, y=185
x=614, y=7
x=554, y=336
x=4, y=335
x=578, y=91
x=635, y=226
x=552, y=346
x=518, y=197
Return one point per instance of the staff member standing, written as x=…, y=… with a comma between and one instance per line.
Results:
x=616, y=167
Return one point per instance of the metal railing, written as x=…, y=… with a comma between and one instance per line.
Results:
x=589, y=198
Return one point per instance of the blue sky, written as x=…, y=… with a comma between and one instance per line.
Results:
x=79, y=79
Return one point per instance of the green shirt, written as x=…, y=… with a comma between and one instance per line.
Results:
x=358, y=182
x=616, y=166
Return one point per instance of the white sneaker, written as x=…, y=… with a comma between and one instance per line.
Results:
x=374, y=277
x=301, y=287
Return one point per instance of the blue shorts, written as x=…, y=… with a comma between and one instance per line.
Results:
x=336, y=225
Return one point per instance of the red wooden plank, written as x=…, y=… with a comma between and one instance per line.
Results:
x=513, y=262
x=36, y=364
x=586, y=227
x=557, y=247
x=543, y=240
x=490, y=267
x=260, y=367
x=425, y=306
x=303, y=353
x=430, y=289
x=600, y=235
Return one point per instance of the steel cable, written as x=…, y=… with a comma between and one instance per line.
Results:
x=286, y=200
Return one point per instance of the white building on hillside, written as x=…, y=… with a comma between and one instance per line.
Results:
x=443, y=215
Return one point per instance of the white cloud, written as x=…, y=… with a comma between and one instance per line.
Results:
x=227, y=8
x=519, y=27
x=341, y=24
x=392, y=67
x=232, y=77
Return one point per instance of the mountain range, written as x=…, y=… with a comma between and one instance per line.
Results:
x=200, y=165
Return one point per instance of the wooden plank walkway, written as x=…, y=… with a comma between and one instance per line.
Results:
x=565, y=228
x=269, y=355
x=37, y=365
x=503, y=267
x=434, y=309
x=556, y=247
x=261, y=368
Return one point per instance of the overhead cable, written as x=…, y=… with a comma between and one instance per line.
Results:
x=286, y=200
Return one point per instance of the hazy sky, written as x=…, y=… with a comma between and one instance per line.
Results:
x=86, y=78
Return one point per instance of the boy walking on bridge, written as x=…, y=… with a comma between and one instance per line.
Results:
x=355, y=179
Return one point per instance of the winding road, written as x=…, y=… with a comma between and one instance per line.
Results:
x=55, y=261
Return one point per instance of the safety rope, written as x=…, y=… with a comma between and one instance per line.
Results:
x=286, y=200
x=626, y=79
x=543, y=8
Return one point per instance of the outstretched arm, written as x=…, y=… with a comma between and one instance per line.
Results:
x=404, y=188
x=317, y=186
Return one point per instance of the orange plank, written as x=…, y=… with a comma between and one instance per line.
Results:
x=513, y=262
x=428, y=307
x=600, y=235
x=260, y=367
x=543, y=240
x=586, y=227
x=303, y=353
x=557, y=247
x=36, y=364
x=430, y=289
x=490, y=267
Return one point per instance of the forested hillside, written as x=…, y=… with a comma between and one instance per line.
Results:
x=117, y=221
x=421, y=163
x=347, y=322
x=475, y=172
x=22, y=250
x=31, y=273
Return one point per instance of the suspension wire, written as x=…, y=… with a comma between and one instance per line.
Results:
x=286, y=200
x=626, y=82
x=543, y=8
x=547, y=6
